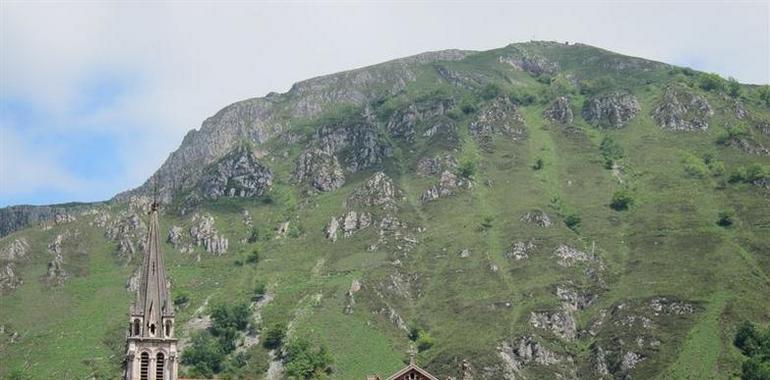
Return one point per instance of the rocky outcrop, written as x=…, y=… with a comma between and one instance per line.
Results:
x=377, y=191
x=531, y=63
x=320, y=170
x=569, y=256
x=682, y=110
x=537, y=217
x=523, y=351
x=560, y=323
x=16, y=250
x=574, y=300
x=129, y=231
x=355, y=287
x=520, y=250
x=448, y=185
x=239, y=174
x=357, y=141
x=748, y=145
x=175, y=236
x=9, y=280
x=499, y=117
x=404, y=122
x=347, y=224
x=611, y=110
x=204, y=234
x=331, y=229
x=763, y=126
x=435, y=165
x=56, y=275
x=560, y=111
x=14, y=218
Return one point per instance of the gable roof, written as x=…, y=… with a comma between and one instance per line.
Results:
x=411, y=367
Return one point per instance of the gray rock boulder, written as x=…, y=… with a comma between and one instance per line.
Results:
x=537, y=217
x=524, y=351
x=499, y=117
x=204, y=234
x=430, y=166
x=377, y=191
x=239, y=174
x=560, y=111
x=16, y=250
x=320, y=170
x=561, y=323
x=611, y=110
x=682, y=110
x=9, y=280
x=448, y=185
x=520, y=250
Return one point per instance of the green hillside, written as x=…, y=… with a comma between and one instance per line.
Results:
x=545, y=209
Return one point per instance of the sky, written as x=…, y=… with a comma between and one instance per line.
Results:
x=94, y=96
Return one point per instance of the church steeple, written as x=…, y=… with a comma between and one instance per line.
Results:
x=152, y=351
x=153, y=302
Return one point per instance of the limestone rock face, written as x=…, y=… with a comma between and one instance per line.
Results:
x=353, y=221
x=357, y=141
x=240, y=174
x=448, y=184
x=682, y=110
x=573, y=300
x=499, y=117
x=435, y=165
x=403, y=123
x=129, y=231
x=520, y=250
x=16, y=250
x=531, y=63
x=524, y=351
x=56, y=275
x=560, y=323
x=9, y=280
x=320, y=170
x=612, y=110
x=377, y=191
x=537, y=217
x=569, y=256
x=204, y=234
x=175, y=236
x=332, y=228
x=560, y=111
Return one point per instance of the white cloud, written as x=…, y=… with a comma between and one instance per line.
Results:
x=191, y=59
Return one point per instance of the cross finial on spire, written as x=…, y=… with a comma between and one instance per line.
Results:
x=411, y=352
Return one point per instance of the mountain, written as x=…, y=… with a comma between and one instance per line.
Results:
x=542, y=210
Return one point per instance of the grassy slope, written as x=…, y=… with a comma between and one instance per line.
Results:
x=667, y=244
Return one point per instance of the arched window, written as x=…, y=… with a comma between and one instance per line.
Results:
x=160, y=365
x=144, y=372
x=152, y=329
x=168, y=329
x=137, y=327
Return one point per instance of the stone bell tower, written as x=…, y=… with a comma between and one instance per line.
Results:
x=152, y=353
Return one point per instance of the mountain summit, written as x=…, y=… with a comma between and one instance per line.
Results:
x=542, y=210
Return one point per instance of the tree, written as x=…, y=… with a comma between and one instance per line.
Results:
x=726, y=218
x=304, y=362
x=733, y=87
x=467, y=168
x=710, y=82
x=621, y=200
x=274, y=336
x=572, y=221
x=611, y=151
x=204, y=355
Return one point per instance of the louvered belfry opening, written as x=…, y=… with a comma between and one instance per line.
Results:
x=144, y=372
x=159, y=366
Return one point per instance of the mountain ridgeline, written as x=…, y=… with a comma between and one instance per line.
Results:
x=543, y=210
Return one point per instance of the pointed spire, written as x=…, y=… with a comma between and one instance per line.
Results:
x=153, y=301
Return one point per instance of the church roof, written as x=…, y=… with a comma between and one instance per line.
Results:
x=153, y=301
x=409, y=368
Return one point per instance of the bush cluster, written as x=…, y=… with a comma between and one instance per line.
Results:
x=756, y=345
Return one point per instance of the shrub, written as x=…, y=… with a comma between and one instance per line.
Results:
x=764, y=94
x=490, y=91
x=253, y=257
x=756, y=345
x=260, y=289
x=204, y=355
x=710, y=82
x=522, y=96
x=235, y=316
x=468, y=108
x=467, y=169
x=621, y=200
x=611, y=151
x=181, y=299
x=755, y=369
x=274, y=336
x=694, y=166
x=726, y=218
x=538, y=164
x=572, y=221
x=303, y=362
x=424, y=341
x=414, y=333
x=733, y=87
